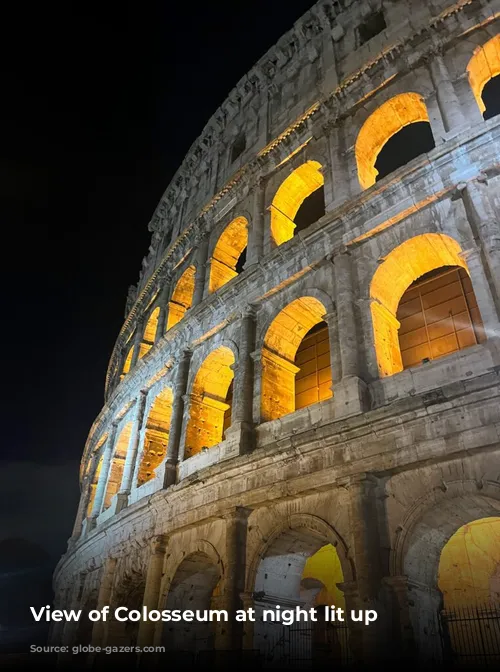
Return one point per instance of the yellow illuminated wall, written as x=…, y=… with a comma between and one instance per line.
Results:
x=182, y=297
x=149, y=335
x=281, y=342
x=208, y=401
x=469, y=567
x=156, y=436
x=93, y=487
x=227, y=251
x=405, y=264
x=117, y=465
x=325, y=566
x=128, y=361
x=386, y=121
x=483, y=66
x=291, y=194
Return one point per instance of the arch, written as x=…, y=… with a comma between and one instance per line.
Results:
x=483, y=66
x=128, y=361
x=149, y=335
x=156, y=436
x=117, y=465
x=281, y=342
x=402, y=266
x=182, y=297
x=209, y=401
x=93, y=487
x=381, y=125
x=227, y=254
x=128, y=593
x=293, y=191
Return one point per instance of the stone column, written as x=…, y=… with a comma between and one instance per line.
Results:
x=133, y=447
x=82, y=505
x=482, y=290
x=200, y=280
x=139, y=329
x=103, y=600
x=485, y=223
x=229, y=635
x=162, y=317
x=154, y=576
x=448, y=103
x=402, y=630
x=104, y=473
x=333, y=338
x=241, y=430
x=350, y=393
x=339, y=176
x=175, y=433
x=256, y=231
x=247, y=602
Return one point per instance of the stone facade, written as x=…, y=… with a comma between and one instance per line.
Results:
x=391, y=464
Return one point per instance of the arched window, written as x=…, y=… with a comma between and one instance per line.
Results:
x=423, y=305
x=484, y=77
x=148, y=338
x=229, y=254
x=209, y=405
x=117, y=465
x=385, y=141
x=156, y=436
x=298, y=203
x=128, y=361
x=239, y=146
x=291, y=374
x=182, y=297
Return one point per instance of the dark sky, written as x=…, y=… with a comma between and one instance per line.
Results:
x=100, y=102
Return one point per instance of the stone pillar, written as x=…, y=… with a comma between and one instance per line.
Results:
x=103, y=600
x=247, y=602
x=402, y=630
x=350, y=393
x=154, y=576
x=229, y=635
x=82, y=505
x=133, y=447
x=104, y=473
x=139, y=329
x=200, y=280
x=175, y=433
x=256, y=231
x=241, y=429
x=448, y=103
x=339, y=176
x=485, y=224
x=162, y=317
x=482, y=290
x=333, y=338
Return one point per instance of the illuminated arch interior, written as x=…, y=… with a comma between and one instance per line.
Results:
x=128, y=360
x=483, y=66
x=95, y=477
x=227, y=253
x=281, y=343
x=156, y=436
x=182, y=297
x=148, y=337
x=406, y=263
x=117, y=465
x=469, y=566
x=209, y=401
x=299, y=185
x=381, y=125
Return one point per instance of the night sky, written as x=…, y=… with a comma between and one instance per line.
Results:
x=100, y=103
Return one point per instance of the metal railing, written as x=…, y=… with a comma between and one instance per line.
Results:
x=471, y=635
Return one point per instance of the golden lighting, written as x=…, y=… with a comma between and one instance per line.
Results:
x=469, y=567
x=208, y=401
x=128, y=361
x=281, y=343
x=93, y=487
x=483, y=66
x=405, y=264
x=156, y=437
x=325, y=567
x=228, y=249
x=148, y=338
x=386, y=121
x=182, y=297
x=117, y=465
x=291, y=194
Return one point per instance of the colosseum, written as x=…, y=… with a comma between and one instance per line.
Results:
x=302, y=406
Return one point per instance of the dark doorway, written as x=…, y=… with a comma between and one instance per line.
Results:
x=405, y=145
x=312, y=209
x=491, y=98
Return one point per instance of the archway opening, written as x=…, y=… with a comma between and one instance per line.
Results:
x=483, y=69
x=405, y=145
x=227, y=260
x=300, y=569
x=384, y=123
x=128, y=361
x=117, y=465
x=297, y=190
x=194, y=586
x=182, y=297
x=149, y=335
x=407, y=263
x=83, y=633
x=93, y=487
x=156, y=436
x=209, y=405
x=129, y=594
x=282, y=361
